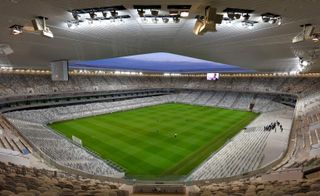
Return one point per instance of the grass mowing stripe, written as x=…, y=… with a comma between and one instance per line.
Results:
x=202, y=153
x=94, y=126
x=135, y=137
x=142, y=140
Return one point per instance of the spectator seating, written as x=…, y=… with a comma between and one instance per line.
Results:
x=257, y=186
x=240, y=155
x=31, y=124
x=63, y=151
x=237, y=93
x=24, y=84
x=31, y=181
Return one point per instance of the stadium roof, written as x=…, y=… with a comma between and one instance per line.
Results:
x=266, y=47
x=158, y=62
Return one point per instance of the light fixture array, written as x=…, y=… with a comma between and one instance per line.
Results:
x=249, y=24
x=96, y=14
x=234, y=14
x=271, y=18
x=175, y=13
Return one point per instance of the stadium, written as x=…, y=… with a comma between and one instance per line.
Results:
x=163, y=97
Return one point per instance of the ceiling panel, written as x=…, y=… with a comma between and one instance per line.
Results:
x=264, y=48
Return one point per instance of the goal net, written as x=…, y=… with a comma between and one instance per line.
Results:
x=77, y=140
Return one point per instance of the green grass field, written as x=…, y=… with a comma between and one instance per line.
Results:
x=142, y=140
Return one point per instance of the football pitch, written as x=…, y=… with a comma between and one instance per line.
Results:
x=162, y=140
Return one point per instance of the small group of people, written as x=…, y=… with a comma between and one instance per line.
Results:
x=273, y=126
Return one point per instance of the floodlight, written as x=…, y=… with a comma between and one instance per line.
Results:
x=141, y=12
x=237, y=16
x=104, y=14
x=176, y=19
x=16, y=29
x=154, y=13
x=155, y=20
x=92, y=15
x=246, y=16
x=75, y=15
x=279, y=21
x=231, y=15
x=165, y=20
x=265, y=19
x=114, y=13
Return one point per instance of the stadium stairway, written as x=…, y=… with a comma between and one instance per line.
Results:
x=10, y=139
x=236, y=100
x=220, y=99
x=198, y=97
x=215, y=99
x=206, y=96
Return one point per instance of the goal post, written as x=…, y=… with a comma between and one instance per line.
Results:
x=77, y=140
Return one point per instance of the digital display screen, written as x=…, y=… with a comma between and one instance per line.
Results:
x=212, y=76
